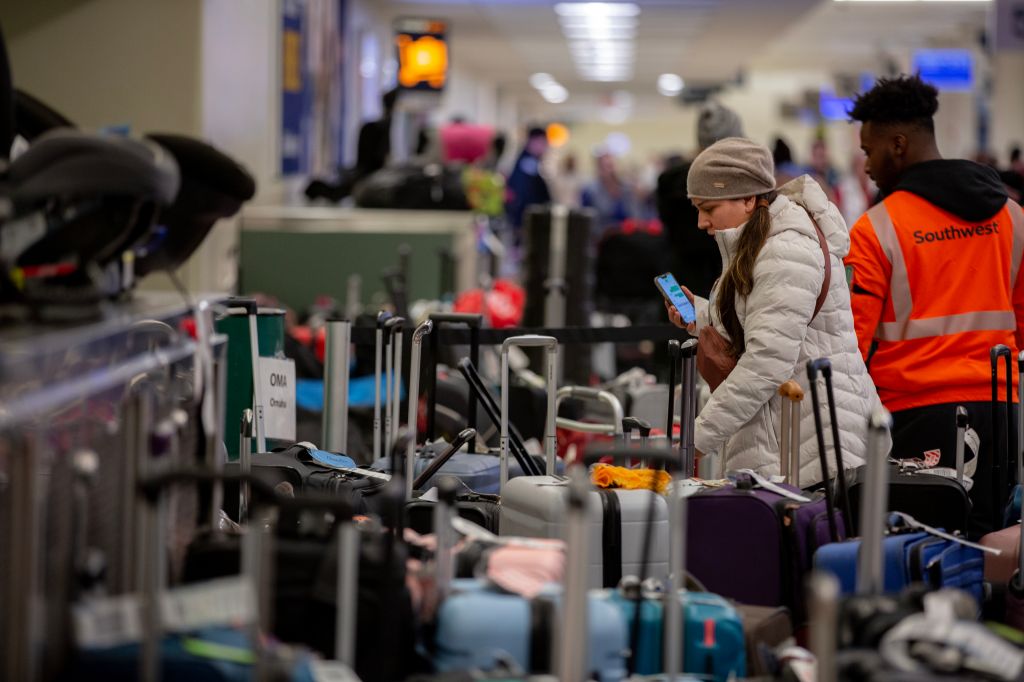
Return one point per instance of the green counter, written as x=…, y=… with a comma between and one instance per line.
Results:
x=298, y=253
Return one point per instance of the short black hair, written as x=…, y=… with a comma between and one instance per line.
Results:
x=1015, y=154
x=906, y=99
x=536, y=131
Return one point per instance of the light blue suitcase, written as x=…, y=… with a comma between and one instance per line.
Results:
x=478, y=626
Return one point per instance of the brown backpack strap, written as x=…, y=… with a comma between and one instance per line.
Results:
x=827, y=282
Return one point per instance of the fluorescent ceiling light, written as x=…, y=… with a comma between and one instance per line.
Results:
x=554, y=93
x=541, y=80
x=670, y=84
x=612, y=33
x=608, y=9
x=600, y=37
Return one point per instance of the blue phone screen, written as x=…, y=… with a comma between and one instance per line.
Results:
x=670, y=287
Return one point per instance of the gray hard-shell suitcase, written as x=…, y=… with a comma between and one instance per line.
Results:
x=535, y=506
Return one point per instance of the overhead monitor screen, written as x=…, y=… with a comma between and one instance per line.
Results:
x=947, y=69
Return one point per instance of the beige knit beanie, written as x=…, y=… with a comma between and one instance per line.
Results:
x=732, y=168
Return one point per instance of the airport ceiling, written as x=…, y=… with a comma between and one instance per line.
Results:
x=704, y=41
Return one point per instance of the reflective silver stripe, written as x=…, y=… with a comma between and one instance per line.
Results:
x=977, y=321
x=899, y=282
x=1017, y=220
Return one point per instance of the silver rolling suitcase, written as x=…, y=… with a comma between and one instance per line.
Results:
x=535, y=506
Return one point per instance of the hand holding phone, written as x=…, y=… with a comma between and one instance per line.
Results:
x=676, y=297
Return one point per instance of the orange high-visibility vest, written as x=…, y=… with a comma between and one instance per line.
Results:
x=936, y=292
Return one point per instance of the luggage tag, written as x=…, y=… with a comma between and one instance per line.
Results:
x=106, y=622
x=914, y=524
x=777, y=489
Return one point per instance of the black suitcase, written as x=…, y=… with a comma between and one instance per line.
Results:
x=936, y=500
x=481, y=509
x=293, y=465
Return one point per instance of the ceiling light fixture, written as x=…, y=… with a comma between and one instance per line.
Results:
x=554, y=93
x=600, y=37
x=905, y=1
x=670, y=84
x=590, y=9
x=540, y=80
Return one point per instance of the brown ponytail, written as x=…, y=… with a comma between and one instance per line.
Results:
x=739, y=278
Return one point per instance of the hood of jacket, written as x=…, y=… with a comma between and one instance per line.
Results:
x=796, y=199
x=966, y=189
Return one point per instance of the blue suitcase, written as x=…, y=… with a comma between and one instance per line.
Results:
x=909, y=557
x=478, y=627
x=840, y=559
x=714, y=646
x=939, y=563
x=480, y=473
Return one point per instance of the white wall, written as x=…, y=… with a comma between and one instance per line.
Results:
x=110, y=62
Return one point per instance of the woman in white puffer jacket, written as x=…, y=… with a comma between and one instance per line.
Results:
x=763, y=306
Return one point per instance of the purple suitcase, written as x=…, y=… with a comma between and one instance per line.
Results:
x=771, y=530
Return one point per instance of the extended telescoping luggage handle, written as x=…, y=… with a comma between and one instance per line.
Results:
x=961, y=436
x=474, y=322
x=1017, y=581
x=824, y=367
x=688, y=408
x=614, y=427
x=244, y=462
x=789, y=460
x=465, y=436
x=393, y=374
x=572, y=635
x=1000, y=465
x=336, y=378
x=619, y=453
x=444, y=512
x=631, y=424
x=415, y=355
x=378, y=363
x=550, y=344
x=873, y=520
x=526, y=461
x=252, y=313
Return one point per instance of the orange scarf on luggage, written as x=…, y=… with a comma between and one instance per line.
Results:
x=609, y=476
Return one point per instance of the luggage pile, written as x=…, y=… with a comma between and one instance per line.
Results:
x=488, y=557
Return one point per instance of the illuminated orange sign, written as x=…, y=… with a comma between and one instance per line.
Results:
x=422, y=54
x=422, y=60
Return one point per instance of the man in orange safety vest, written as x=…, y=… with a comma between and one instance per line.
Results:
x=934, y=271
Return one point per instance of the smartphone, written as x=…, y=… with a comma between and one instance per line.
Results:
x=673, y=293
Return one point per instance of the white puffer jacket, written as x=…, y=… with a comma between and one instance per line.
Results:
x=744, y=412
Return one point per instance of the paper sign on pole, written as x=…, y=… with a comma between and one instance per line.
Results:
x=277, y=389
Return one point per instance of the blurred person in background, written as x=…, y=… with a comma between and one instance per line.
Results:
x=566, y=184
x=610, y=195
x=694, y=253
x=821, y=170
x=373, y=148
x=526, y=185
x=785, y=168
